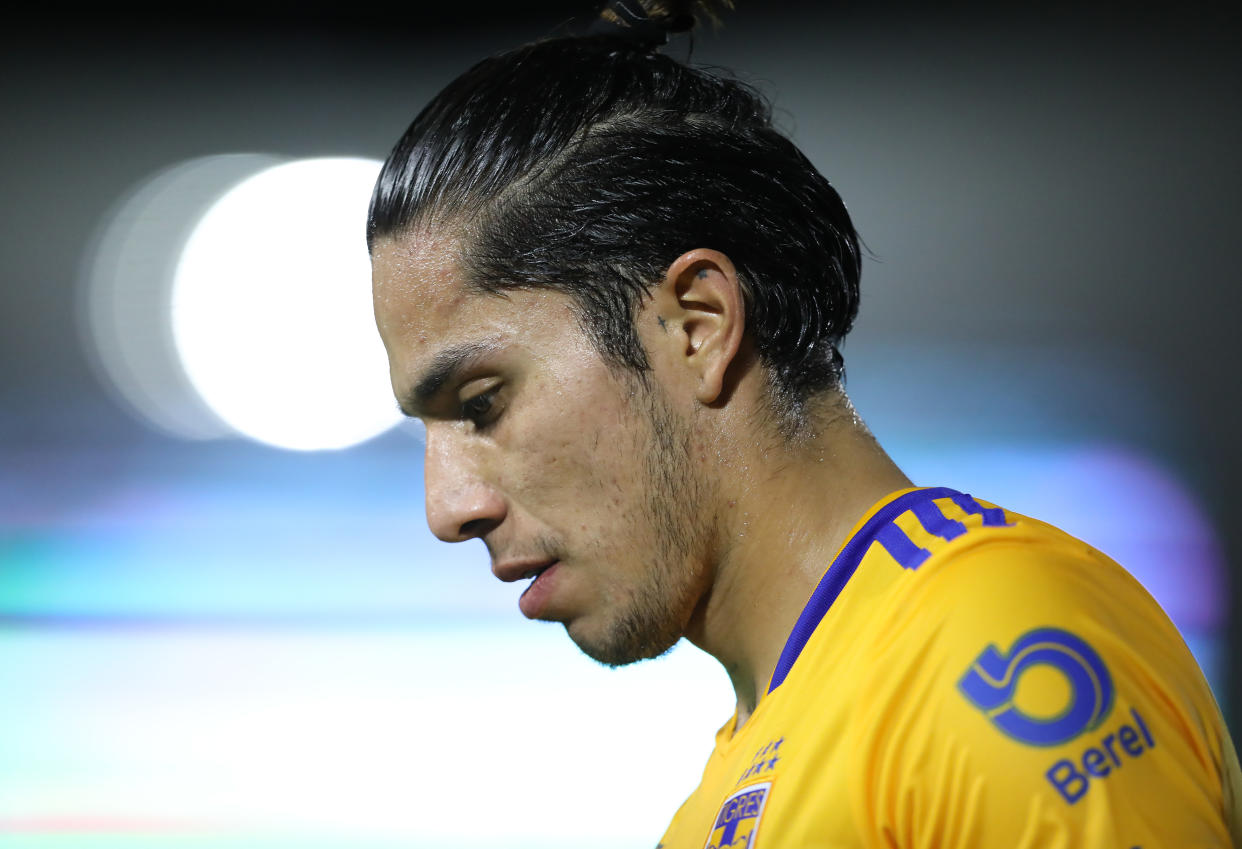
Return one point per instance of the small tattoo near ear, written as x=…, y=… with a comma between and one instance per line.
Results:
x=663, y=324
x=702, y=273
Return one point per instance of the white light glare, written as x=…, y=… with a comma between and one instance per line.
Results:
x=271, y=308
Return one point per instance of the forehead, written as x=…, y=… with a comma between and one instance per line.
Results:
x=413, y=279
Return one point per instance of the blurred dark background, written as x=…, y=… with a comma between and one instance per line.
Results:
x=1051, y=197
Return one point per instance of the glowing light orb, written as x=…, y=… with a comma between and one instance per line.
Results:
x=271, y=308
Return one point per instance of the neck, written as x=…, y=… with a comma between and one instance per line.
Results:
x=794, y=505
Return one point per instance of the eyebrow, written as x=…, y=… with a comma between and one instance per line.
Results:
x=444, y=366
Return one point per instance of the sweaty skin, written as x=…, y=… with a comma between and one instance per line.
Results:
x=668, y=507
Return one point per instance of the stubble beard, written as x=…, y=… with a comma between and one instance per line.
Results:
x=653, y=618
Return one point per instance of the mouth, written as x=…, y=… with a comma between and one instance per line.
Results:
x=541, y=572
x=535, y=598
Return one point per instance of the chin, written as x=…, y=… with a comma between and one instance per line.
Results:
x=621, y=646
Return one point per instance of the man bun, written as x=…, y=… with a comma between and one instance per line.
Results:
x=655, y=20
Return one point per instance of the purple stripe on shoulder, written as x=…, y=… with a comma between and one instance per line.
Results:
x=993, y=517
x=900, y=547
x=935, y=522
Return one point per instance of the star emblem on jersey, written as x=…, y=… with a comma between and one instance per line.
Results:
x=991, y=683
x=764, y=761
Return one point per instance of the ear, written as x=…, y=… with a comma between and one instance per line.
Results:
x=700, y=305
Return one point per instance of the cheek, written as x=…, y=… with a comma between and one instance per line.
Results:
x=582, y=464
x=562, y=468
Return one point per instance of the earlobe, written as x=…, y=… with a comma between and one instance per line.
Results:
x=707, y=297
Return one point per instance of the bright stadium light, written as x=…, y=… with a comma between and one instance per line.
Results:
x=271, y=308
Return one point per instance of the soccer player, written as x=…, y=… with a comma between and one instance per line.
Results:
x=615, y=295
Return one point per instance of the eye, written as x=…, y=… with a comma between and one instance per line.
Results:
x=480, y=409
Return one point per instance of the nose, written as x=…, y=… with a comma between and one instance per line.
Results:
x=461, y=503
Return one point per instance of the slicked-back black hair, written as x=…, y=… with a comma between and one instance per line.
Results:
x=588, y=164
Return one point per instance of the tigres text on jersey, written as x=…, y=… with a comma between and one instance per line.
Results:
x=963, y=676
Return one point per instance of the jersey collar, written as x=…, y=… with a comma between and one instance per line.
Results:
x=840, y=572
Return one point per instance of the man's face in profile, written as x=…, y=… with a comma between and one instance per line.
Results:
x=569, y=471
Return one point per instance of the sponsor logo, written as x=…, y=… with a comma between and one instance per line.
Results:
x=992, y=682
x=1072, y=778
x=738, y=821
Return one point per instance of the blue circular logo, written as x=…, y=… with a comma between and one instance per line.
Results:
x=992, y=680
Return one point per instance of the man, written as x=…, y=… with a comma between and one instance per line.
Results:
x=615, y=295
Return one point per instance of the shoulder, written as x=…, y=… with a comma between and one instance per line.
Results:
x=982, y=566
x=1032, y=673
x=1002, y=578
x=1013, y=594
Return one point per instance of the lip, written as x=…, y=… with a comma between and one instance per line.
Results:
x=536, y=599
x=515, y=570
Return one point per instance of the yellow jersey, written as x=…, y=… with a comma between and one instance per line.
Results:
x=963, y=676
